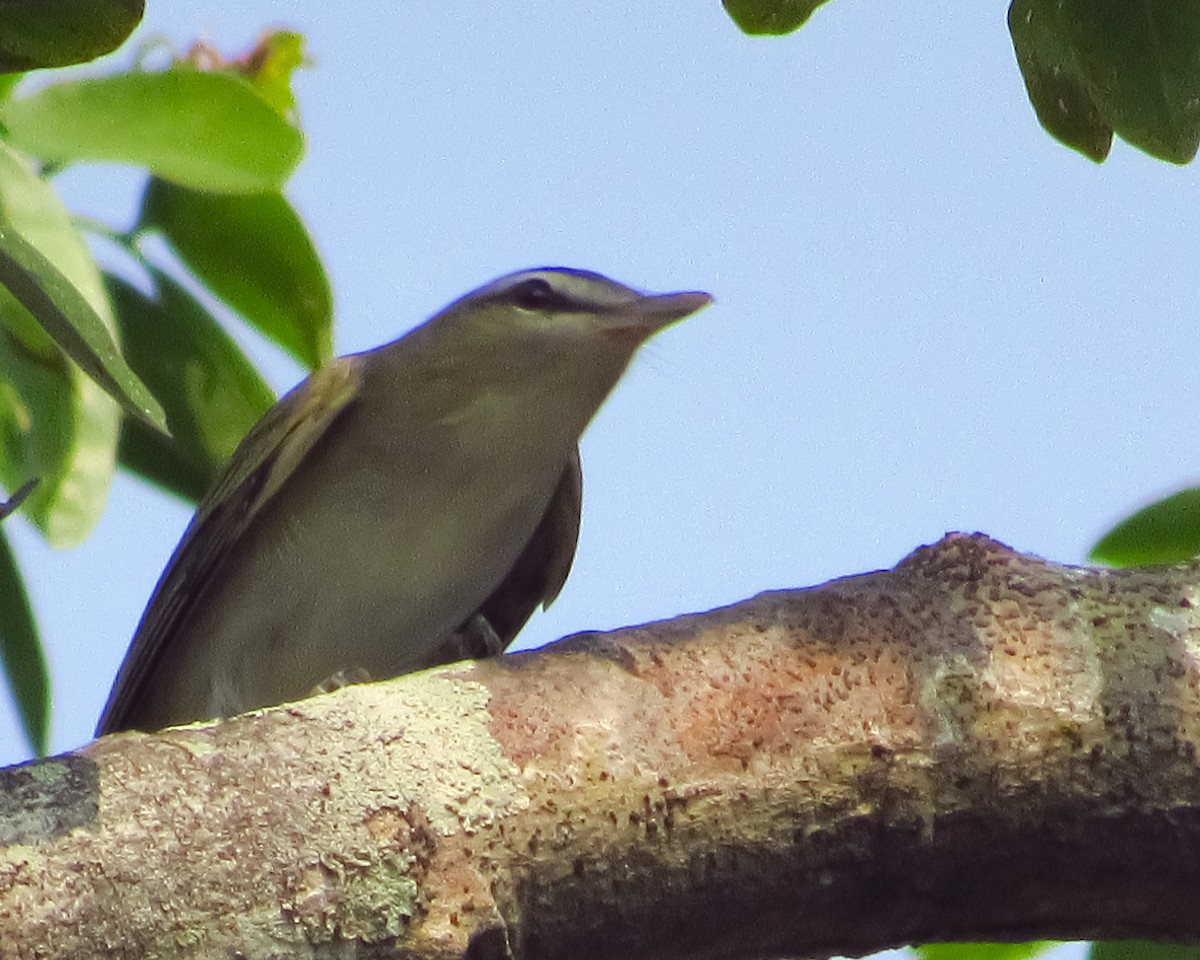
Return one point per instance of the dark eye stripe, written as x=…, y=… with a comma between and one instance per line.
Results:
x=537, y=294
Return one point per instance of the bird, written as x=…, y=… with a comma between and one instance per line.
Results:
x=401, y=508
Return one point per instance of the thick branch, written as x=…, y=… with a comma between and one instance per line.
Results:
x=975, y=745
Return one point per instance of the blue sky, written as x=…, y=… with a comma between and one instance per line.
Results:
x=929, y=316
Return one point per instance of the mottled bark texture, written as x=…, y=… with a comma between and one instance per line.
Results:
x=974, y=745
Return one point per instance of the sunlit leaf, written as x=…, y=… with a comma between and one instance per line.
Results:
x=1164, y=532
x=271, y=66
x=56, y=424
x=770, y=16
x=8, y=82
x=210, y=131
x=983, y=951
x=268, y=67
x=65, y=313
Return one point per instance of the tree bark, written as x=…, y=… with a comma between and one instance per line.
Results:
x=975, y=745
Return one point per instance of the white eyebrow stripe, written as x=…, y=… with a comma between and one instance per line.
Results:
x=582, y=287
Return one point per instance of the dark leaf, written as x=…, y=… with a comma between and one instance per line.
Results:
x=1055, y=83
x=75, y=327
x=1093, y=67
x=253, y=252
x=21, y=652
x=57, y=33
x=211, y=392
x=1142, y=62
x=1142, y=950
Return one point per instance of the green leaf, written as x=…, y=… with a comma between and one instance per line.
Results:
x=1093, y=67
x=253, y=252
x=40, y=439
x=269, y=68
x=1142, y=950
x=983, y=951
x=1142, y=63
x=1054, y=81
x=770, y=16
x=21, y=652
x=8, y=83
x=56, y=424
x=210, y=131
x=64, y=313
x=160, y=461
x=1162, y=533
x=38, y=33
x=211, y=392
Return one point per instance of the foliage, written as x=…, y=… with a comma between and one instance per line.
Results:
x=125, y=366
x=771, y=16
x=1092, y=68
x=1097, y=67
x=1143, y=950
x=34, y=33
x=982, y=951
x=1100, y=950
x=1164, y=532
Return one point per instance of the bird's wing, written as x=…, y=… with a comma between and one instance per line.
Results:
x=263, y=461
x=541, y=569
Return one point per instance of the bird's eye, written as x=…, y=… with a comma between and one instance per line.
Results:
x=535, y=294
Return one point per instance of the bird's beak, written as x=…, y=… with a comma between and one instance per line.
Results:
x=645, y=317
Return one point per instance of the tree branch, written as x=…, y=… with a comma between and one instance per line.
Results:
x=974, y=745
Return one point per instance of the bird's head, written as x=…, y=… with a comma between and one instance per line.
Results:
x=558, y=312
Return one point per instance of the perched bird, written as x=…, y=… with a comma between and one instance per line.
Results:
x=401, y=508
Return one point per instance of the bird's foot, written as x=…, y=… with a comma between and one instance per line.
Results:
x=479, y=639
x=343, y=678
